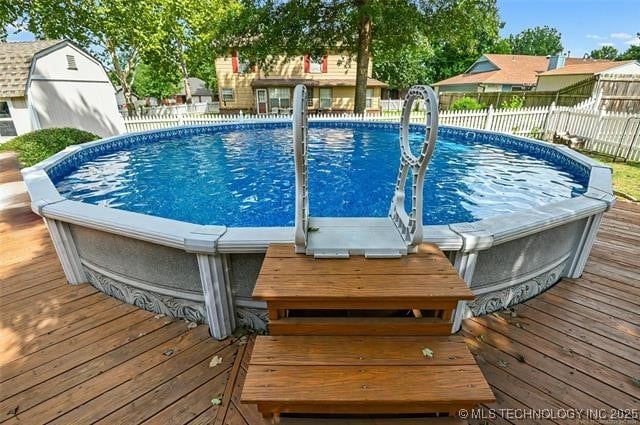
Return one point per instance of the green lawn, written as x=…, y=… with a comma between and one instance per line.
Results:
x=626, y=176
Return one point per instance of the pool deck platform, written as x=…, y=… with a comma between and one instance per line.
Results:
x=70, y=354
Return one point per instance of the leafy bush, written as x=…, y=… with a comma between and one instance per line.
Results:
x=40, y=144
x=466, y=103
x=516, y=102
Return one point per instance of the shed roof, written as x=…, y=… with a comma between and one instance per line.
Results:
x=585, y=67
x=15, y=63
x=198, y=88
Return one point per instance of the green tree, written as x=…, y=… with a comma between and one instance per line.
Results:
x=632, y=53
x=538, y=41
x=400, y=34
x=604, y=52
x=153, y=82
x=116, y=31
x=11, y=13
x=265, y=29
x=404, y=66
x=460, y=32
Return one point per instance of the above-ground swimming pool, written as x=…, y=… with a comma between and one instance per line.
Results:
x=246, y=177
x=177, y=221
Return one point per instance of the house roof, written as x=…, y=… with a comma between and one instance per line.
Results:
x=313, y=82
x=15, y=63
x=198, y=88
x=512, y=69
x=524, y=69
x=581, y=66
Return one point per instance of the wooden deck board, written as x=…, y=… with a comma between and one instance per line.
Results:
x=584, y=352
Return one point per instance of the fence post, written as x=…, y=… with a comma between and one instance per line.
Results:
x=488, y=123
x=547, y=120
x=180, y=118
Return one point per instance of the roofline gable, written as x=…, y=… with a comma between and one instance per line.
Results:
x=480, y=60
x=624, y=63
x=58, y=46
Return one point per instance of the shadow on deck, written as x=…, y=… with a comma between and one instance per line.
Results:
x=70, y=354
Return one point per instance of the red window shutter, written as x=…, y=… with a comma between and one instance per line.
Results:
x=324, y=64
x=234, y=62
x=307, y=64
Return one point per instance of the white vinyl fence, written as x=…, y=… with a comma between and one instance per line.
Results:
x=605, y=132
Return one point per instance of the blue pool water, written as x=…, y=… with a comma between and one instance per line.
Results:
x=246, y=177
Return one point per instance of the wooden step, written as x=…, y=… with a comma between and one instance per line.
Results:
x=388, y=326
x=363, y=375
x=425, y=280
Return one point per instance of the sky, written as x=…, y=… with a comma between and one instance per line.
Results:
x=585, y=24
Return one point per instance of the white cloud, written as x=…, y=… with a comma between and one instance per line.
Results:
x=633, y=42
x=621, y=35
x=605, y=44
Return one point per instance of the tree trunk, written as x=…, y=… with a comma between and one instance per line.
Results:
x=185, y=81
x=364, y=53
x=123, y=78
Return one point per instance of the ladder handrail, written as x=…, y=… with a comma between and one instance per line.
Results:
x=409, y=224
x=300, y=147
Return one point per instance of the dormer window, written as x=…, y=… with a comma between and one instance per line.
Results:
x=315, y=65
x=71, y=62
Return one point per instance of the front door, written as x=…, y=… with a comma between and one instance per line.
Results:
x=261, y=101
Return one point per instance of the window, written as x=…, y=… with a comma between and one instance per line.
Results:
x=369, y=98
x=315, y=65
x=279, y=97
x=244, y=67
x=6, y=123
x=228, y=95
x=325, y=98
x=71, y=62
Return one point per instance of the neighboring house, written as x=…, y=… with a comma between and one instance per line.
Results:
x=497, y=72
x=330, y=81
x=53, y=83
x=571, y=71
x=199, y=92
x=493, y=72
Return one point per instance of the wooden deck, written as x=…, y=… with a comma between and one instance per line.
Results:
x=69, y=354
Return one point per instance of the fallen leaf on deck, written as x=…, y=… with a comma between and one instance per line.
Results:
x=158, y=316
x=636, y=382
x=521, y=326
x=503, y=364
x=13, y=411
x=191, y=325
x=481, y=338
x=141, y=334
x=427, y=352
x=168, y=352
x=243, y=340
x=215, y=361
x=216, y=401
x=166, y=322
x=521, y=358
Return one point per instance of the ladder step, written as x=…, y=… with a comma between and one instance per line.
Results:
x=363, y=375
x=389, y=326
x=357, y=350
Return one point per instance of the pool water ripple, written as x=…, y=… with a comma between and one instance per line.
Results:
x=246, y=178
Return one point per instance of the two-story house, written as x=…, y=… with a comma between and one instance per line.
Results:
x=330, y=80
